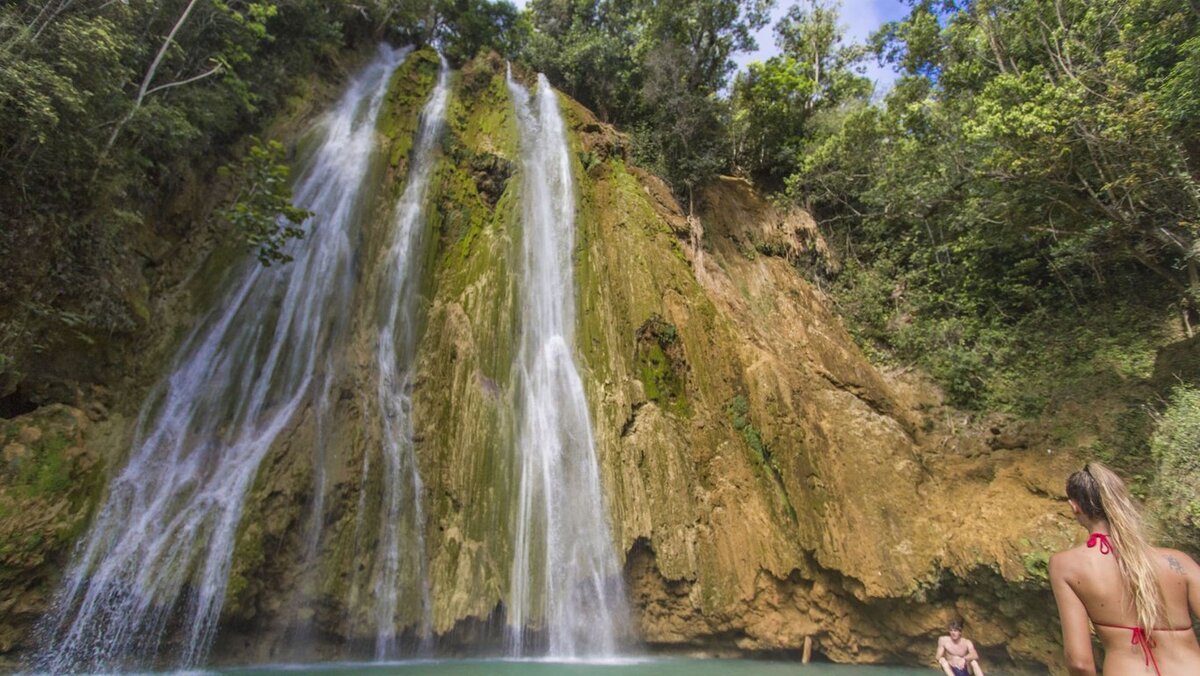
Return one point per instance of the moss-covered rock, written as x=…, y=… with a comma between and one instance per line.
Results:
x=407, y=93
x=305, y=554
x=661, y=365
x=462, y=395
x=50, y=482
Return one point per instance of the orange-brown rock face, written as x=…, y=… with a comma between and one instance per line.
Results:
x=784, y=488
x=49, y=479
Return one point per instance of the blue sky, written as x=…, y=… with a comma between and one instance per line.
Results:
x=859, y=17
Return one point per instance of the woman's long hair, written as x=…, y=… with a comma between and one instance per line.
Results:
x=1101, y=494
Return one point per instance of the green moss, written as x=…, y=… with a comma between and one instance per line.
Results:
x=592, y=325
x=468, y=347
x=460, y=214
x=49, y=485
x=407, y=92
x=248, y=556
x=659, y=365
x=138, y=296
x=479, y=126
x=43, y=470
x=739, y=415
x=616, y=224
x=1036, y=562
x=481, y=133
x=487, y=120
x=53, y=472
x=654, y=368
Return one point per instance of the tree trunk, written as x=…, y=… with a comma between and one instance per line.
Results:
x=147, y=79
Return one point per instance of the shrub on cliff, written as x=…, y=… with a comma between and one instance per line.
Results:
x=262, y=211
x=1175, y=445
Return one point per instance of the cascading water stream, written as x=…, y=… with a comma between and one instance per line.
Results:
x=158, y=554
x=395, y=356
x=565, y=575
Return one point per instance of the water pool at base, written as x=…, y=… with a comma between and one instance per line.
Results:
x=616, y=667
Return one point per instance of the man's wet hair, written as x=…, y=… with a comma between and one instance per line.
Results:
x=956, y=625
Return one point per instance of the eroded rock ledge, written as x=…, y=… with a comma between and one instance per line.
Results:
x=820, y=605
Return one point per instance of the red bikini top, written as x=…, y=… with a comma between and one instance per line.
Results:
x=1102, y=539
x=1140, y=637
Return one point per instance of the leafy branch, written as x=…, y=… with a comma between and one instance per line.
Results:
x=262, y=211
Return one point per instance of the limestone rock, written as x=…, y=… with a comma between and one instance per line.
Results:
x=765, y=484
x=51, y=475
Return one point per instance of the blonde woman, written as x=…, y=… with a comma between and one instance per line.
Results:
x=1140, y=599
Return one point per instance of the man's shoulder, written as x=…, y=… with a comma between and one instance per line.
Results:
x=943, y=639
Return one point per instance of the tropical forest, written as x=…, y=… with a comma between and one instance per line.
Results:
x=601, y=337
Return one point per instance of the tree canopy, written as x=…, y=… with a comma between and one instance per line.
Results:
x=1031, y=156
x=1035, y=159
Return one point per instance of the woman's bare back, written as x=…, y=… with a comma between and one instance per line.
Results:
x=1096, y=580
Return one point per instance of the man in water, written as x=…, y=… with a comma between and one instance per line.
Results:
x=956, y=654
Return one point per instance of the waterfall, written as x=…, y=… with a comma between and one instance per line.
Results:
x=395, y=354
x=565, y=575
x=157, y=557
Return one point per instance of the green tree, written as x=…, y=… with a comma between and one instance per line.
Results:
x=590, y=49
x=810, y=34
x=685, y=139
x=467, y=26
x=254, y=19
x=658, y=67
x=709, y=32
x=686, y=70
x=1173, y=446
x=107, y=112
x=775, y=102
x=1032, y=162
x=261, y=211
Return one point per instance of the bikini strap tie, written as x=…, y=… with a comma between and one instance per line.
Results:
x=1105, y=546
x=1140, y=638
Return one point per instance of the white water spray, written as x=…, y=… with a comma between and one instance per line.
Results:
x=157, y=558
x=565, y=577
x=402, y=542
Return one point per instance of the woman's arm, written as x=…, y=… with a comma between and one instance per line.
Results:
x=1192, y=572
x=1077, y=639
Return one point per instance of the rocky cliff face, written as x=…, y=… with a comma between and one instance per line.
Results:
x=766, y=486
